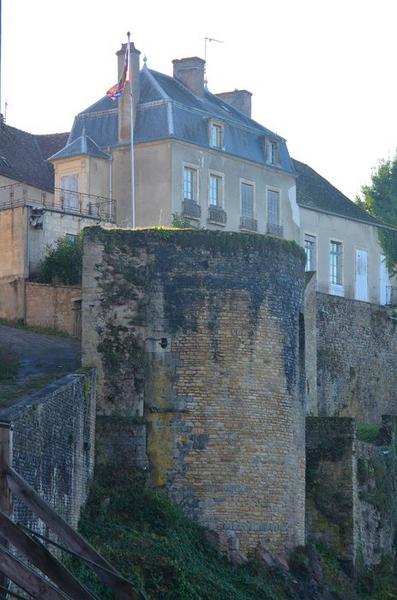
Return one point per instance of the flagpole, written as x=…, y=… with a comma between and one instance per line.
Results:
x=132, y=134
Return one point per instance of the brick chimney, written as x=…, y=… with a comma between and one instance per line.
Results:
x=190, y=72
x=125, y=100
x=240, y=99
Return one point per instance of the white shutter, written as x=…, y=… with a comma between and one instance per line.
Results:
x=361, y=275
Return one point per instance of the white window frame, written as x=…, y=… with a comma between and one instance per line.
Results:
x=315, y=242
x=271, y=188
x=220, y=126
x=70, y=197
x=336, y=289
x=195, y=169
x=272, y=151
x=221, y=177
x=253, y=185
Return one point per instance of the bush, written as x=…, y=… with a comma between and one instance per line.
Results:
x=63, y=262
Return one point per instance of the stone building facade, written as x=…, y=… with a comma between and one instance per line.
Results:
x=198, y=337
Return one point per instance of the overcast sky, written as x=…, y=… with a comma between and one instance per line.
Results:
x=322, y=72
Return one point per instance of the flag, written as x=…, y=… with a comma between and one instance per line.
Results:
x=117, y=90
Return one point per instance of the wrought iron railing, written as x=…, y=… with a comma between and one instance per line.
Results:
x=217, y=215
x=66, y=201
x=248, y=223
x=273, y=229
x=391, y=295
x=191, y=209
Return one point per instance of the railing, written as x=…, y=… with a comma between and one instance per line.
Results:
x=248, y=223
x=66, y=201
x=191, y=209
x=273, y=229
x=391, y=295
x=217, y=215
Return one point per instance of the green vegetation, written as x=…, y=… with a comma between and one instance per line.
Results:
x=33, y=328
x=63, y=262
x=180, y=222
x=8, y=364
x=167, y=557
x=380, y=200
x=368, y=432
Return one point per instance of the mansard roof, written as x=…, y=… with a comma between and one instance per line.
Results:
x=316, y=193
x=167, y=109
x=23, y=156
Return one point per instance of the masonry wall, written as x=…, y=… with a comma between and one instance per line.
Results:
x=55, y=306
x=356, y=359
x=330, y=484
x=12, y=298
x=53, y=445
x=196, y=335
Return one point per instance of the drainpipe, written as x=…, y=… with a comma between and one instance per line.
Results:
x=110, y=183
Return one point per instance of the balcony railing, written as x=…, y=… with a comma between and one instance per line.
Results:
x=248, y=223
x=391, y=295
x=273, y=229
x=61, y=200
x=191, y=209
x=217, y=215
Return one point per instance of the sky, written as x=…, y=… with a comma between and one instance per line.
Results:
x=322, y=72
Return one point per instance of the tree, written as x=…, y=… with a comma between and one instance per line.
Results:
x=380, y=200
x=63, y=262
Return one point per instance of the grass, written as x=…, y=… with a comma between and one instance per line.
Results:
x=11, y=391
x=33, y=328
x=368, y=432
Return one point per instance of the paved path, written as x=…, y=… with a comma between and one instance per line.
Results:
x=40, y=357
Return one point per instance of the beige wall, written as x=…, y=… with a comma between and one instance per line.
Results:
x=233, y=170
x=354, y=236
x=13, y=226
x=56, y=307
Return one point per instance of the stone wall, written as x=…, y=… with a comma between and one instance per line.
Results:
x=55, y=306
x=197, y=334
x=356, y=359
x=330, y=484
x=53, y=445
x=12, y=298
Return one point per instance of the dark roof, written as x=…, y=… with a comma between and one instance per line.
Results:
x=167, y=109
x=315, y=192
x=51, y=143
x=83, y=145
x=23, y=156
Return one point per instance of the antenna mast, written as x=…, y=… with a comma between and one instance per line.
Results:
x=206, y=40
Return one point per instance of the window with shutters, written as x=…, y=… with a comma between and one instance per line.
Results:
x=361, y=287
x=69, y=191
x=310, y=251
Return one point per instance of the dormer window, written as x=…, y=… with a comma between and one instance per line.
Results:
x=216, y=135
x=272, y=152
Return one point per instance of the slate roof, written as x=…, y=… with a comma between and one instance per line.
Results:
x=23, y=156
x=315, y=192
x=83, y=145
x=167, y=109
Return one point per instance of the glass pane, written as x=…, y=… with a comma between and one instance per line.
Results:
x=273, y=207
x=247, y=200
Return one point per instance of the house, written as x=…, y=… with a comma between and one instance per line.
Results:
x=201, y=156
x=33, y=214
x=341, y=242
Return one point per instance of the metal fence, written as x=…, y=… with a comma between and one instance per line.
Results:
x=65, y=201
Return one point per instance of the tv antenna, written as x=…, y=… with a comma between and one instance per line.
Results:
x=207, y=40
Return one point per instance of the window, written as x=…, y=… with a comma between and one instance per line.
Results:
x=215, y=191
x=273, y=207
x=189, y=184
x=335, y=268
x=71, y=237
x=310, y=251
x=272, y=152
x=69, y=191
x=247, y=200
x=216, y=135
x=361, y=287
